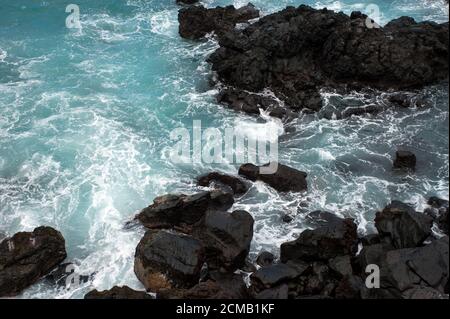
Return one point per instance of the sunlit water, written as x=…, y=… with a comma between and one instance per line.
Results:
x=86, y=115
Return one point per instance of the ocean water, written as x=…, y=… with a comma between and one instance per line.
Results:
x=86, y=116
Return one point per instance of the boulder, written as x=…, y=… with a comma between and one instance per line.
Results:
x=197, y=21
x=405, y=159
x=336, y=238
x=265, y=258
x=341, y=265
x=237, y=185
x=226, y=238
x=440, y=209
x=116, y=292
x=349, y=288
x=167, y=259
x=285, y=179
x=28, y=256
x=297, y=51
x=401, y=226
x=279, y=292
x=273, y=275
x=183, y=211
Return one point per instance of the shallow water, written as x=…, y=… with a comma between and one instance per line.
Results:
x=86, y=115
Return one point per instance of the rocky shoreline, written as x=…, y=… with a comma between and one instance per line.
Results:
x=196, y=246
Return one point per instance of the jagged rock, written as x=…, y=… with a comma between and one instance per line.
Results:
x=287, y=218
x=226, y=238
x=405, y=159
x=183, y=210
x=297, y=51
x=424, y=293
x=237, y=185
x=218, y=286
x=322, y=218
x=371, y=239
x=279, y=292
x=273, y=275
x=2, y=236
x=116, y=292
x=400, y=225
x=197, y=21
x=28, y=256
x=285, y=179
x=167, y=259
x=265, y=259
x=187, y=1
x=337, y=238
x=341, y=265
x=426, y=266
x=349, y=288
x=440, y=213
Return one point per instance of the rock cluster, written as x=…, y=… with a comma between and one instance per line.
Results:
x=297, y=51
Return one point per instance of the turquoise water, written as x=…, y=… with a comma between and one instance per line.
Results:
x=85, y=119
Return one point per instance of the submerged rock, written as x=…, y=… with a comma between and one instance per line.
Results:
x=167, y=259
x=405, y=159
x=237, y=185
x=336, y=238
x=297, y=51
x=169, y=211
x=28, y=256
x=198, y=21
x=116, y=292
x=401, y=226
x=285, y=179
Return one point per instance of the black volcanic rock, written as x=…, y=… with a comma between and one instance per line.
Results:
x=166, y=259
x=440, y=212
x=401, y=226
x=265, y=258
x=226, y=238
x=273, y=275
x=197, y=21
x=116, y=292
x=337, y=238
x=28, y=256
x=285, y=179
x=237, y=185
x=405, y=159
x=297, y=51
x=169, y=211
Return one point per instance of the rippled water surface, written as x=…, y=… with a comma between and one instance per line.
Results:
x=85, y=118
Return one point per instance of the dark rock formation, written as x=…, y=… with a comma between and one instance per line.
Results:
x=116, y=292
x=197, y=21
x=285, y=179
x=401, y=226
x=296, y=51
x=439, y=212
x=187, y=1
x=273, y=275
x=337, y=238
x=167, y=259
x=405, y=160
x=183, y=210
x=237, y=185
x=265, y=259
x=226, y=238
x=28, y=256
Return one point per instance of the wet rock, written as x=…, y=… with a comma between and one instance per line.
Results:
x=226, y=238
x=405, y=159
x=287, y=218
x=265, y=259
x=116, y=292
x=337, y=238
x=28, y=256
x=218, y=286
x=285, y=179
x=66, y=274
x=198, y=21
x=273, y=275
x=349, y=288
x=187, y=1
x=426, y=266
x=341, y=265
x=440, y=214
x=279, y=292
x=183, y=210
x=371, y=239
x=424, y=293
x=322, y=218
x=297, y=51
x=2, y=236
x=167, y=259
x=237, y=185
x=400, y=225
